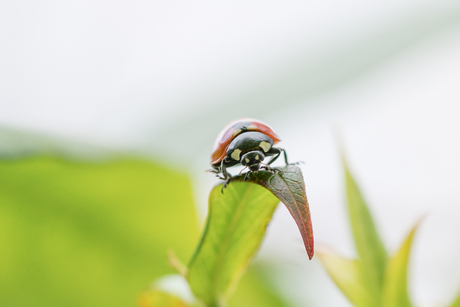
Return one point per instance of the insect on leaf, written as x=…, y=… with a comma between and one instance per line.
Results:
x=236, y=224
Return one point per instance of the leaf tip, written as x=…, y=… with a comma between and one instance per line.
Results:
x=310, y=248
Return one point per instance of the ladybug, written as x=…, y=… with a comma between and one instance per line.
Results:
x=245, y=141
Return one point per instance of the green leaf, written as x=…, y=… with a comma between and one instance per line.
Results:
x=289, y=187
x=159, y=298
x=456, y=302
x=236, y=225
x=257, y=288
x=89, y=234
x=371, y=251
x=395, y=292
x=347, y=276
x=82, y=234
x=234, y=229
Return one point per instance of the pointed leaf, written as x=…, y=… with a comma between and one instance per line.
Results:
x=395, y=287
x=371, y=251
x=235, y=226
x=347, y=276
x=289, y=187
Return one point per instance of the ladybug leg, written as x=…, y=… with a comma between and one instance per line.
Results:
x=275, y=152
x=217, y=174
x=223, y=169
x=246, y=177
x=227, y=176
x=225, y=185
x=216, y=171
x=295, y=163
x=220, y=177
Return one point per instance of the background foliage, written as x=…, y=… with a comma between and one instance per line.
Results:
x=374, y=278
x=97, y=234
x=89, y=234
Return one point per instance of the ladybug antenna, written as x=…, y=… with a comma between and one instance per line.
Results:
x=243, y=170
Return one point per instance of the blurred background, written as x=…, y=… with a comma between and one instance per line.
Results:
x=108, y=107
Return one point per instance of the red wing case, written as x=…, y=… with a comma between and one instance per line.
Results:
x=235, y=128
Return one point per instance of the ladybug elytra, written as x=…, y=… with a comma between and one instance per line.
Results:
x=247, y=142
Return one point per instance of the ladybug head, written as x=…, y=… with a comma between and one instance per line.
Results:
x=252, y=160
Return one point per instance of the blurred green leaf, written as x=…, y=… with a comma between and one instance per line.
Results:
x=235, y=226
x=360, y=279
x=158, y=298
x=395, y=287
x=371, y=251
x=288, y=185
x=89, y=234
x=347, y=276
x=456, y=302
x=257, y=289
x=93, y=234
x=175, y=263
x=168, y=291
